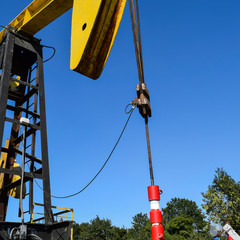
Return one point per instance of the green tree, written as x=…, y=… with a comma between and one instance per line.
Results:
x=81, y=231
x=222, y=200
x=141, y=228
x=119, y=233
x=181, y=206
x=180, y=227
x=98, y=229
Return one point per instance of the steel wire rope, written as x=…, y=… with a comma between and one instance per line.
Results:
x=135, y=19
x=109, y=156
x=135, y=39
x=139, y=38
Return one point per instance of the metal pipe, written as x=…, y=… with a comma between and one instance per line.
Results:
x=23, y=168
x=149, y=152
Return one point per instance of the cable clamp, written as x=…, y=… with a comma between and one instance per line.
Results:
x=143, y=100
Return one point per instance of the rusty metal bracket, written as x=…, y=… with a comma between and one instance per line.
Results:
x=143, y=100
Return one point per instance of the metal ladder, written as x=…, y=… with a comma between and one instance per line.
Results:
x=21, y=56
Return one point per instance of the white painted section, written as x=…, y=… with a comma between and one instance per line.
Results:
x=154, y=205
x=24, y=120
x=227, y=228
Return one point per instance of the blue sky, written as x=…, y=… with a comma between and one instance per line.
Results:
x=191, y=56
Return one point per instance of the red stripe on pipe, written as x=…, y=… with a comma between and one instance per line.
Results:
x=155, y=216
x=157, y=232
x=153, y=193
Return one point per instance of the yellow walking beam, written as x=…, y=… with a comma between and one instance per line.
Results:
x=94, y=27
x=38, y=15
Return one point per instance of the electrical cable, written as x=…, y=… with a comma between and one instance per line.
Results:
x=80, y=191
x=11, y=233
x=2, y=26
x=54, y=51
x=32, y=235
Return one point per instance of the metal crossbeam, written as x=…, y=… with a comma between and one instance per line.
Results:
x=38, y=15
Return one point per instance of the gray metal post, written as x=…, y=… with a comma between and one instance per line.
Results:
x=44, y=145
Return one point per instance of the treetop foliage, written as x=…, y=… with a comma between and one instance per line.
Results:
x=102, y=229
x=222, y=200
x=184, y=207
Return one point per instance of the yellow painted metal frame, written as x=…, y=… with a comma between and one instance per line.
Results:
x=38, y=15
x=3, y=162
x=60, y=214
x=94, y=28
x=15, y=192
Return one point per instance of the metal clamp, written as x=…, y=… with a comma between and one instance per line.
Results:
x=143, y=100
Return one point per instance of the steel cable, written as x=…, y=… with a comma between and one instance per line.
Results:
x=135, y=19
x=80, y=191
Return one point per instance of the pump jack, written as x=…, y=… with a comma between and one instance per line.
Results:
x=94, y=27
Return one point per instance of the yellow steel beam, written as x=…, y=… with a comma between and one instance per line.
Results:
x=3, y=162
x=38, y=15
x=94, y=27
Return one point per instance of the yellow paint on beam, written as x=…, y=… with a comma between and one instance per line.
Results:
x=3, y=162
x=15, y=192
x=38, y=15
x=94, y=27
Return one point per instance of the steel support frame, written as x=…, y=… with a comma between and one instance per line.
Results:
x=12, y=45
x=7, y=54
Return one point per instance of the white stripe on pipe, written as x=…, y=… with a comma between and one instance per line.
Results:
x=154, y=205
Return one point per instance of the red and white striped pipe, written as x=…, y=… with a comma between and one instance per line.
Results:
x=155, y=213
